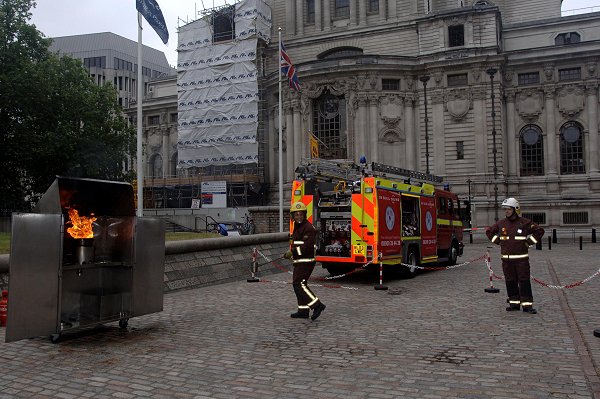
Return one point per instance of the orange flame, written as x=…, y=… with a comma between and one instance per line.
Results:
x=82, y=225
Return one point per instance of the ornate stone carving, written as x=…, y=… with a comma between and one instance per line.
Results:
x=391, y=110
x=458, y=103
x=591, y=70
x=508, y=76
x=436, y=97
x=529, y=104
x=391, y=136
x=570, y=100
x=476, y=74
x=437, y=78
x=479, y=92
x=549, y=73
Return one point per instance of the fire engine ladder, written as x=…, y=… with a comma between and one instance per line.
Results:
x=378, y=169
x=330, y=169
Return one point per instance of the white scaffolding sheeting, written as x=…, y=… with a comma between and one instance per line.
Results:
x=218, y=90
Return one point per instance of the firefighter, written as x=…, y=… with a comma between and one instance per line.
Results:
x=302, y=253
x=515, y=234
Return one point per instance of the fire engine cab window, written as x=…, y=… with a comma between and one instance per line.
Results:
x=442, y=205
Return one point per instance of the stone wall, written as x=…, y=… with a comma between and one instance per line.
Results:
x=198, y=263
x=266, y=218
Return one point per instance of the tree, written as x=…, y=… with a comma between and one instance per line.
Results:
x=54, y=119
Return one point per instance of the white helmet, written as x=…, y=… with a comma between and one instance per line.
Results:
x=512, y=203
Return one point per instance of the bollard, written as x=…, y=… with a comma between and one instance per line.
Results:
x=549, y=243
x=580, y=243
x=491, y=289
x=554, y=236
x=597, y=333
x=380, y=287
x=594, y=236
x=470, y=237
x=254, y=269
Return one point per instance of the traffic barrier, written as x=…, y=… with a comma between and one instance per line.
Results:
x=254, y=268
x=488, y=262
x=380, y=287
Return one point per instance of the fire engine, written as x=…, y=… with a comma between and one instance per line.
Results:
x=367, y=214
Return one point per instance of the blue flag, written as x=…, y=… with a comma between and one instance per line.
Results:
x=151, y=11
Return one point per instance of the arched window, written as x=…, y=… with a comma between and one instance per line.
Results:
x=329, y=125
x=173, y=165
x=155, y=166
x=532, y=151
x=571, y=149
x=340, y=52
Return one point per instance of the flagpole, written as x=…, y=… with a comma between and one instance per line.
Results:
x=140, y=94
x=280, y=141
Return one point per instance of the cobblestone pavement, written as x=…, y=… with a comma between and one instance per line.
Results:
x=438, y=335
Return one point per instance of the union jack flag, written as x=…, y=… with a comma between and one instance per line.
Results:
x=288, y=69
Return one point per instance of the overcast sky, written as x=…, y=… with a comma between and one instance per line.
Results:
x=75, y=17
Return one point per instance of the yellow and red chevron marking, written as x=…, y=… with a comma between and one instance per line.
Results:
x=363, y=213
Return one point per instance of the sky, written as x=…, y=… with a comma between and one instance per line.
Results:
x=56, y=18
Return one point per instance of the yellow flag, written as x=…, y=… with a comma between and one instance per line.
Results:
x=314, y=146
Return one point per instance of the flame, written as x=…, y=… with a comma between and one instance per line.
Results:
x=82, y=225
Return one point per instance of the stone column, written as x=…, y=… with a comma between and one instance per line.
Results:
x=410, y=134
x=362, y=12
x=479, y=123
x=326, y=14
x=289, y=135
x=299, y=18
x=290, y=17
x=298, y=134
x=318, y=13
x=592, y=104
x=373, y=128
x=382, y=6
x=352, y=12
x=512, y=139
x=551, y=136
x=437, y=135
x=361, y=127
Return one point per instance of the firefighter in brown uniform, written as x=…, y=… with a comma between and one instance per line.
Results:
x=515, y=234
x=302, y=253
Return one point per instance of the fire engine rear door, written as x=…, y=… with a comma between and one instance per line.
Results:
x=428, y=229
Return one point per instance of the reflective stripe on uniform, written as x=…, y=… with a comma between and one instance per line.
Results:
x=504, y=238
x=515, y=256
x=527, y=304
x=308, y=292
x=514, y=302
x=532, y=238
x=494, y=238
x=298, y=251
x=303, y=307
x=304, y=260
x=520, y=238
x=298, y=242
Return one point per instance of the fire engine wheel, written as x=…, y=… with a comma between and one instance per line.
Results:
x=453, y=254
x=123, y=323
x=411, y=259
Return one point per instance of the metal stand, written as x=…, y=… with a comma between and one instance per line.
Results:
x=597, y=333
x=254, y=269
x=380, y=287
x=491, y=289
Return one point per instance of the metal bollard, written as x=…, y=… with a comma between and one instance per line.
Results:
x=549, y=243
x=594, y=236
x=554, y=236
x=380, y=287
x=580, y=243
x=470, y=237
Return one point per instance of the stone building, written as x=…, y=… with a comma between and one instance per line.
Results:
x=512, y=97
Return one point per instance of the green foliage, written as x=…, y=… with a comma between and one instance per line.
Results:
x=55, y=119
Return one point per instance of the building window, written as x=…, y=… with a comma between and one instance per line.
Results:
x=373, y=6
x=310, y=11
x=567, y=38
x=329, y=125
x=571, y=149
x=460, y=150
x=532, y=151
x=530, y=78
x=535, y=217
x=153, y=120
x=390, y=84
x=569, y=74
x=123, y=65
x=174, y=117
x=575, y=218
x=96, y=62
x=458, y=80
x=342, y=8
x=456, y=35
x=223, y=24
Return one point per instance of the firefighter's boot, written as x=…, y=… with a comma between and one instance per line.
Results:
x=513, y=305
x=529, y=309
x=317, y=311
x=300, y=314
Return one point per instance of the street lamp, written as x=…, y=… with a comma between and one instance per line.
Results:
x=492, y=72
x=425, y=79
